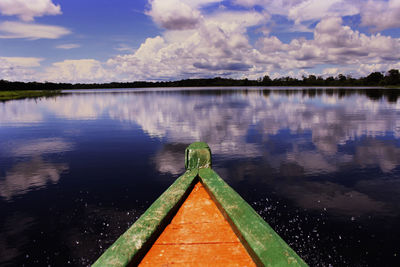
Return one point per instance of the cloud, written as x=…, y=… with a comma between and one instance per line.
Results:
x=197, y=43
x=18, y=68
x=19, y=113
x=377, y=14
x=375, y=152
x=13, y=29
x=224, y=66
x=15, y=62
x=173, y=14
x=333, y=43
x=304, y=10
x=40, y=147
x=381, y=15
x=315, y=10
x=366, y=69
x=169, y=159
x=281, y=7
x=31, y=175
x=125, y=48
x=82, y=70
x=332, y=71
x=217, y=44
x=68, y=46
x=27, y=10
x=330, y=120
x=337, y=198
x=177, y=14
x=36, y=172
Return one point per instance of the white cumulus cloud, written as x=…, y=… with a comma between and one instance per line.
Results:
x=381, y=15
x=13, y=62
x=177, y=14
x=26, y=10
x=174, y=14
x=219, y=46
x=68, y=46
x=82, y=70
x=198, y=41
x=18, y=68
x=13, y=29
x=316, y=9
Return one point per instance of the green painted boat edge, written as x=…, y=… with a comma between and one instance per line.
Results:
x=197, y=156
x=264, y=245
x=130, y=247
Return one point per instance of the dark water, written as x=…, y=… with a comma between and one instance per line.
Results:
x=321, y=166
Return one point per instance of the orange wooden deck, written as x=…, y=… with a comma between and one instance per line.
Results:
x=198, y=235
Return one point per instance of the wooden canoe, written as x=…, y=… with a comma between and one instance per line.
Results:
x=200, y=221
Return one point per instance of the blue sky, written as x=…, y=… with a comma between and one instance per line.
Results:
x=116, y=40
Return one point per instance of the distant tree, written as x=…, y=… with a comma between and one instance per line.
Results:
x=312, y=78
x=374, y=78
x=341, y=78
x=329, y=81
x=266, y=81
x=393, y=77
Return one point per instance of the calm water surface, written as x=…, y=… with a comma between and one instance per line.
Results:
x=322, y=167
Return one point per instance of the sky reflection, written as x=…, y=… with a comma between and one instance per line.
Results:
x=227, y=122
x=322, y=152
x=31, y=171
x=31, y=175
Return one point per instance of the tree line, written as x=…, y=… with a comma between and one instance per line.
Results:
x=390, y=78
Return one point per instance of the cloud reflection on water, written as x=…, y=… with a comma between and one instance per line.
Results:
x=40, y=146
x=224, y=121
x=31, y=175
x=295, y=134
x=34, y=172
x=332, y=196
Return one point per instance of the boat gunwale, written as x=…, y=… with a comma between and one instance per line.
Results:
x=263, y=244
x=134, y=243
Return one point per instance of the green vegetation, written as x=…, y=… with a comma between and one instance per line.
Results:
x=393, y=86
x=390, y=78
x=9, y=95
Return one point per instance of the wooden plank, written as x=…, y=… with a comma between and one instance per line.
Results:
x=264, y=245
x=196, y=231
x=189, y=255
x=198, y=235
x=129, y=247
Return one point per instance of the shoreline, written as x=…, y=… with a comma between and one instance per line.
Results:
x=22, y=94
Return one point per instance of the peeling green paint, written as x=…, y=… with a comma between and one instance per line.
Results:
x=264, y=245
x=131, y=246
x=197, y=156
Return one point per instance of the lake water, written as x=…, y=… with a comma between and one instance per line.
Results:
x=321, y=166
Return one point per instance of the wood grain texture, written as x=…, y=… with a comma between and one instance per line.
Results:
x=265, y=246
x=129, y=247
x=198, y=235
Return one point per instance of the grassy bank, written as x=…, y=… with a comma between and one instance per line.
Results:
x=10, y=95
